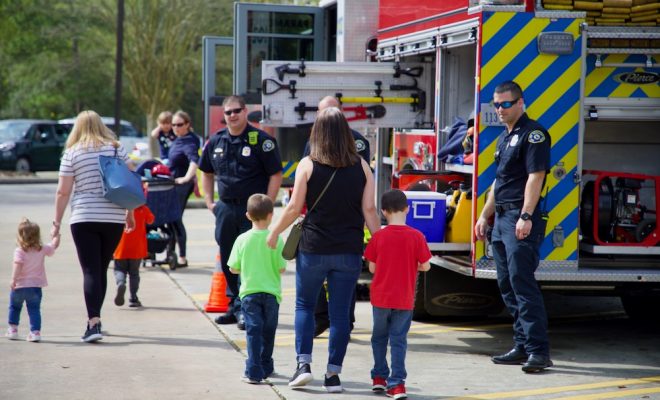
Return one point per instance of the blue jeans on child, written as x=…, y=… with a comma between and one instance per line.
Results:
x=393, y=325
x=260, y=311
x=342, y=272
x=32, y=298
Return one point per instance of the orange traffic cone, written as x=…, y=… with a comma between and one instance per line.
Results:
x=218, y=301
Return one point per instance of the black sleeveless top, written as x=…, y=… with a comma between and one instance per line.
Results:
x=336, y=224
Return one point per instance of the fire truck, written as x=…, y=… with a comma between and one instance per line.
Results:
x=407, y=72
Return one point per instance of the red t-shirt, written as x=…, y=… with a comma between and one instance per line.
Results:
x=134, y=244
x=397, y=251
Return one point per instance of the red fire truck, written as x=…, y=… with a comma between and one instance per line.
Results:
x=419, y=67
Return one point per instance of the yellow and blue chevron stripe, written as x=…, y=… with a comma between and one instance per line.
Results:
x=606, y=82
x=551, y=87
x=289, y=169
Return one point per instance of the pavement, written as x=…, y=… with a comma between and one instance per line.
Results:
x=172, y=349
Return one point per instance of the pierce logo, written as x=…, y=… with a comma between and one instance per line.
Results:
x=638, y=78
x=463, y=301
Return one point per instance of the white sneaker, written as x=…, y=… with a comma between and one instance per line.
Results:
x=12, y=333
x=34, y=336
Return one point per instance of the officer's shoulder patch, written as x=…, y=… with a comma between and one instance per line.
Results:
x=267, y=145
x=536, y=137
x=360, y=145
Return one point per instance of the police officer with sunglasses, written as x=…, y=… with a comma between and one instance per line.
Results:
x=523, y=160
x=244, y=160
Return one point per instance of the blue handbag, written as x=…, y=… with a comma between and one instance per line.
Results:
x=121, y=186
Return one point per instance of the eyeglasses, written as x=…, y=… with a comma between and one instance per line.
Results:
x=233, y=111
x=505, y=104
x=179, y=124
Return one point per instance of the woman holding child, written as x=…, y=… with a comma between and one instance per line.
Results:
x=332, y=241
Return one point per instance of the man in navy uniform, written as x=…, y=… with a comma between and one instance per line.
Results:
x=523, y=160
x=244, y=161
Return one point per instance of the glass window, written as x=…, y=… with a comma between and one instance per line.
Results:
x=263, y=48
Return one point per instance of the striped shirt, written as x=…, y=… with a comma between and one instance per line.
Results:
x=87, y=201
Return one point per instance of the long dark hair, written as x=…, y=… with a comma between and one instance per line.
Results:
x=331, y=142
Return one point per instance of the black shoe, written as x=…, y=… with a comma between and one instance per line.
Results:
x=226, y=319
x=184, y=265
x=121, y=291
x=241, y=322
x=515, y=356
x=332, y=384
x=320, y=327
x=134, y=302
x=92, y=334
x=302, y=376
x=537, y=363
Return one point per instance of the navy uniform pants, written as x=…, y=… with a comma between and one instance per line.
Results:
x=516, y=262
x=230, y=221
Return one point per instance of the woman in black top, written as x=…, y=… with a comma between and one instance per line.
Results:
x=183, y=162
x=332, y=240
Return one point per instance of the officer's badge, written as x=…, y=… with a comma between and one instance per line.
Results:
x=536, y=137
x=253, y=137
x=268, y=145
x=246, y=151
x=360, y=145
x=514, y=141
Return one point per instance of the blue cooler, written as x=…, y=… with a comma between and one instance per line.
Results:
x=427, y=212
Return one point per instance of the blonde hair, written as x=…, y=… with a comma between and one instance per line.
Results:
x=165, y=117
x=89, y=131
x=29, y=235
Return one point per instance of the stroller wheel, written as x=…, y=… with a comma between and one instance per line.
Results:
x=171, y=261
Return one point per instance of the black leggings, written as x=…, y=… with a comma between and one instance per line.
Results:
x=95, y=242
x=183, y=192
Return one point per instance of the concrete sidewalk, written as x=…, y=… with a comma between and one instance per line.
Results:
x=165, y=350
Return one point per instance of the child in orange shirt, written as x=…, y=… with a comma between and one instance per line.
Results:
x=132, y=248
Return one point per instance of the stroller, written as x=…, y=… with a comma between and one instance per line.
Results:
x=163, y=202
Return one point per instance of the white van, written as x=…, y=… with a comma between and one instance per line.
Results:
x=134, y=141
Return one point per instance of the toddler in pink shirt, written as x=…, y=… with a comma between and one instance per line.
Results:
x=28, y=277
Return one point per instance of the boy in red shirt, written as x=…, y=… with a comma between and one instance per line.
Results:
x=130, y=251
x=395, y=254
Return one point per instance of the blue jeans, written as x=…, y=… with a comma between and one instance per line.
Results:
x=342, y=272
x=32, y=298
x=392, y=325
x=516, y=261
x=260, y=311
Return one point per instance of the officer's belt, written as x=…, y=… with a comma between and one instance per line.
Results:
x=500, y=208
x=234, y=201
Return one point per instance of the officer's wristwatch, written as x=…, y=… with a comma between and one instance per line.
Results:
x=525, y=216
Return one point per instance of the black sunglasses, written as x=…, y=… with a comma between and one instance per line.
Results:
x=179, y=124
x=233, y=111
x=505, y=104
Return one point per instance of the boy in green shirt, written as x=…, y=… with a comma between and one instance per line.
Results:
x=261, y=290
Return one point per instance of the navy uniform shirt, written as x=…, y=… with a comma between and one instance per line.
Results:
x=361, y=145
x=242, y=164
x=523, y=151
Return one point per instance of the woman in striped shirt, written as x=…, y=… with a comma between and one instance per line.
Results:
x=96, y=223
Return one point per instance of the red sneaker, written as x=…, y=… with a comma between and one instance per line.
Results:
x=378, y=384
x=397, y=392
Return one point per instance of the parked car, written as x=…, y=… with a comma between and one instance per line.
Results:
x=134, y=141
x=29, y=145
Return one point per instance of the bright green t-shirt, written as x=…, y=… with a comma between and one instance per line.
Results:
x=259, y=264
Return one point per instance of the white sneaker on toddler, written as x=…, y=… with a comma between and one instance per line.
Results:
x=34, y=336
x=12, y=333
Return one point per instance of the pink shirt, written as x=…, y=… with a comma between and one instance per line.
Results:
x=33, y=271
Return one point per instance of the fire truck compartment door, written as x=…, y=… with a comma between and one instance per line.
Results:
x=379, y=95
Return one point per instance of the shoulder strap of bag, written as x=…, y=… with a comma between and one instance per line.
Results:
x=321, y=195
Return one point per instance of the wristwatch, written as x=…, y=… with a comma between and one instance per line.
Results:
x=525, y=216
